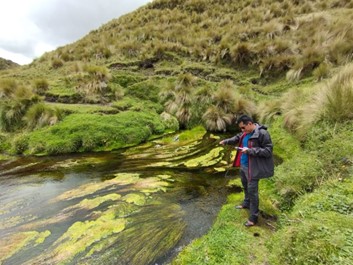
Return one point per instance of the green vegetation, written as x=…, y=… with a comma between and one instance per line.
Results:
x=7, y=64
x=92, y=132
x=179, y=64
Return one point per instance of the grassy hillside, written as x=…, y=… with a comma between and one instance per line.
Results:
x=175, y=64
x=6, y=64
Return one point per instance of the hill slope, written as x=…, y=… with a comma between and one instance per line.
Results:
x=7, y=64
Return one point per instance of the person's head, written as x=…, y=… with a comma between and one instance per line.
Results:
x=246, y=123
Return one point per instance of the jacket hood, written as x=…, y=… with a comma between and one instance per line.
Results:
x=257, y=129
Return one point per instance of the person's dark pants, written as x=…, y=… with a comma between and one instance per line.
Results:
x=251, y=194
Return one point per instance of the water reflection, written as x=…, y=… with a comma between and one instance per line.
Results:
x=135, y=206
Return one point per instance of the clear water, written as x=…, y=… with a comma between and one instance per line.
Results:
x=141, y=205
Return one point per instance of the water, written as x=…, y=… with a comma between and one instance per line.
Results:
x=140, y=205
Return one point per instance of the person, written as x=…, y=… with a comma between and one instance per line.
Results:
x=255, y=159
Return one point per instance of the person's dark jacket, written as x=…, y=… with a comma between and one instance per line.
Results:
x=260, y=157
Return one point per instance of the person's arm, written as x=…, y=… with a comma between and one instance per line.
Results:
x=265, y=146
x=231, y=141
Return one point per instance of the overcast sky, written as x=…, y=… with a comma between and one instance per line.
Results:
x=28, y=28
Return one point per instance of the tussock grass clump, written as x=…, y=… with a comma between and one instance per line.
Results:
x=15, y=101
x=268, y=110
x=216, y=119
x=56, y=63
x=331, y=102
x=226, y=104
x=40, y=115
x=322, y=71
x=93, y=84
x=335, y=100
x=40, y=86
x=178, y=98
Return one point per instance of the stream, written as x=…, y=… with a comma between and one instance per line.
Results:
x=140, y=205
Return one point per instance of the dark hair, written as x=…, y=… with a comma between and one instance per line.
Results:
x=245, y=119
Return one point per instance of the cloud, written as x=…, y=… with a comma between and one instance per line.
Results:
x=28, y=28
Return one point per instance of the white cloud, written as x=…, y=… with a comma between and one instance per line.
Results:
x=28, y=28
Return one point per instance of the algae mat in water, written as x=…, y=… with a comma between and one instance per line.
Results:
x=137, y=206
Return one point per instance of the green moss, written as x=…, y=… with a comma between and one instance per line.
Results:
x=285, y=144
x=193, y=134
x=82, y=108
x=123, y=129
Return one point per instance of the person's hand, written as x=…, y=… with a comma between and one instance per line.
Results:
x=221, y=142
x=244, y=150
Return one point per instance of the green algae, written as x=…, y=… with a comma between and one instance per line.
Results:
x=14, y=221
x=165, y=177
x=219, y=169
x=93, y=203
x=151, y=185
x=145, y=239
x=135, y=198
x=212, y=158
x=14, y=243
x=163, y=164
x=125, y=178
x=215, y=137
x=65, y=214
x=42, y=236
x=90, y=188
x=145, y=233
x=83, y=235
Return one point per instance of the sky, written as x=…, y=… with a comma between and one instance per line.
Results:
x=29, y=28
